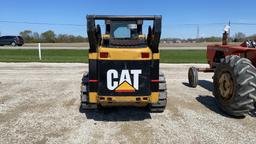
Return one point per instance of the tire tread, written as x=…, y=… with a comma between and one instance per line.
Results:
x=244, y=75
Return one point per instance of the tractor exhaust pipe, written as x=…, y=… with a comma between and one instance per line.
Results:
x=225, y=35
x=225, y=38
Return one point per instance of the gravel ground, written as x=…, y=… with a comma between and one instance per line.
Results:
x=39, y=103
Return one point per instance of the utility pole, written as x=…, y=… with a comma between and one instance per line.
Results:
x=229, y=24
x=198, y=32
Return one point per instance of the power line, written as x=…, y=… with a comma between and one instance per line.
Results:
x=239, y=23
x=196, y=24
x=198, y=32
x=42, y=23
x=83, y=25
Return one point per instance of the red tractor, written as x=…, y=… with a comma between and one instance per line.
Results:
x=234, y=79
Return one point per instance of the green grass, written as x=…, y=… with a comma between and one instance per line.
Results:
x=47, y=56
x=183, y=56
x=81, y=56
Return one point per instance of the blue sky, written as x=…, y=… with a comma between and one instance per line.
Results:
x=176, y=14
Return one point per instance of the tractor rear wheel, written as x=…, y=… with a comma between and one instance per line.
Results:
x=235, y=86
x=85, y=105
x=161, y=104
x=192, y=77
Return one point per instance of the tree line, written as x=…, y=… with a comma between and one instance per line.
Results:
x=237, y=37
x=50, y=37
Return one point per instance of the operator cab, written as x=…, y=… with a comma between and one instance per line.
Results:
x=124, y=32
x=125, y=29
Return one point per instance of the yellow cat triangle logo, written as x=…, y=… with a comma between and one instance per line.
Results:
x=125, y=87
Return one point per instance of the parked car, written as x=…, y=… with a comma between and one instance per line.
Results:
x=11, y=40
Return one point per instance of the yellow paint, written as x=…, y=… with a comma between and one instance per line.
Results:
x=93, y=55
x=156, y=56
x=106, y=104
x=154, y=97
x=124, y=99
x=142, y=36
x=125, y=53
x=105, y=36
x=93, y=97
x=125, y=86
x=129, y=100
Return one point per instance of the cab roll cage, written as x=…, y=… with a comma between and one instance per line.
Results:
x=153, y=36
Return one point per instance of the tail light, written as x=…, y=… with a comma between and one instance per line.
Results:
x=144, y=55
x=155, y=81
x=103, y=54
x=93, y=81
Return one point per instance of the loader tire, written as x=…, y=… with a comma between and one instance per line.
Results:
x=161, y=104
x=235, y=86
x=193, y=77
x=85, y=105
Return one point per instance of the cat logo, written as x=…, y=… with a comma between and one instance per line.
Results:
x=125, y=83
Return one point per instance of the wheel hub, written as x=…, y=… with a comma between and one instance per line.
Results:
x=226, y=85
